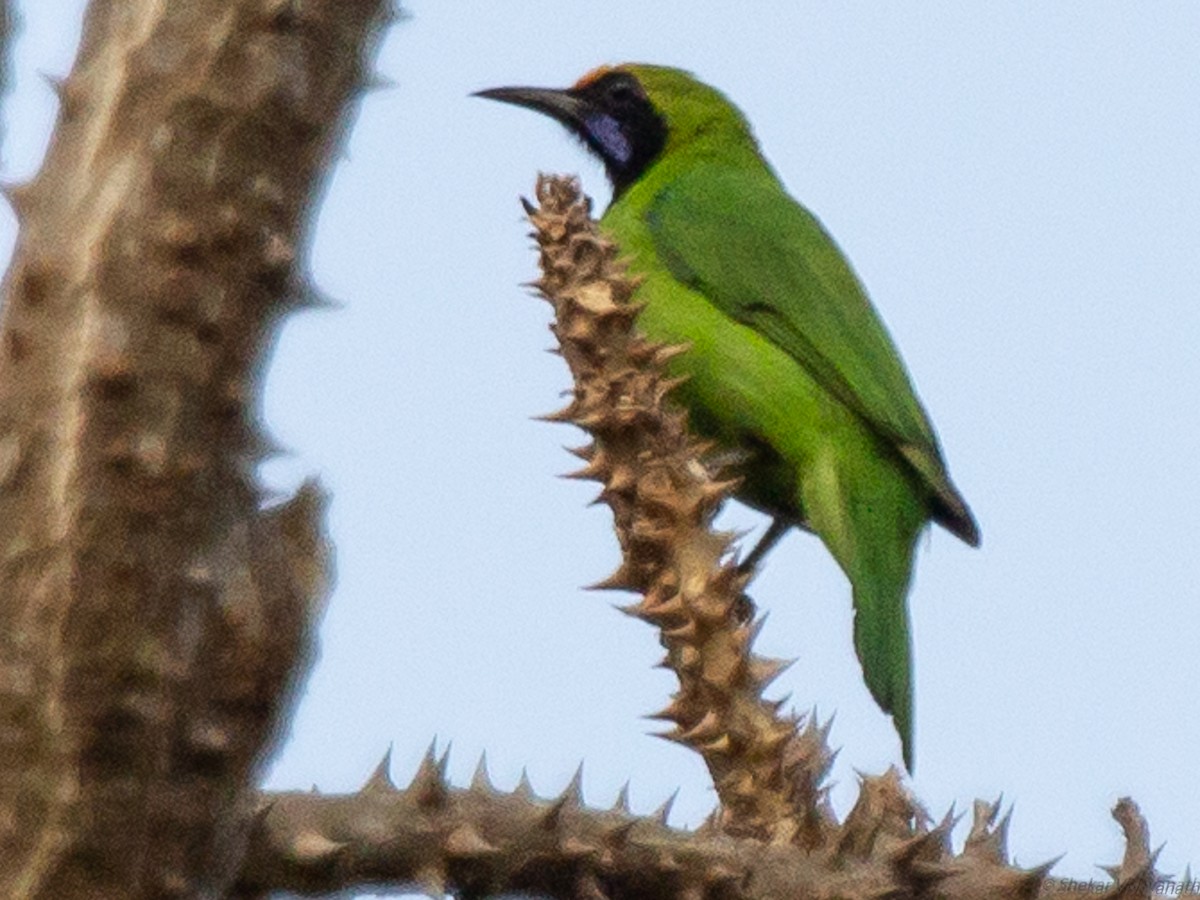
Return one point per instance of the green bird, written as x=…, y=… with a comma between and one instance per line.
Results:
x=789, y=368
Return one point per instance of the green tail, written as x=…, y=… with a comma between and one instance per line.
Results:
x=870, y=521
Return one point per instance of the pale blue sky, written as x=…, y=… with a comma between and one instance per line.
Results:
x=1019, y=187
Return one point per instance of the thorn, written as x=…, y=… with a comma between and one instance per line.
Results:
x=566, y=414
x=573, y=792
x=675, y=735
x=778, y=705
x=707, y=729
x=429, y=784
x=930, y=843
x=17, y=196
x=313, y=848
x=622, y=802
x=586, y=452
x=377, y=82
x=827, y=727
x=659, y=611
x=1002, y=826
x=308, y=296
x=552, y=817
x=260, y=446
x=672, y=712
x=949, y=822
x=56, y=83
x=575, y=849
x=757, y=626
x=633, y=610
x=430, y=757
x=466, y=841
x=1154, y=854
x=524, y=788
x=620, y=580
x=988, y=844
x=721, y=490
x=664, y=812
x=668, y=352
x=481, y=781
x=983, y=814
x=1029, y=882
x=380, y=781
x=587, y=473
x=833, y=755
x=667, y=385
x=762, y=670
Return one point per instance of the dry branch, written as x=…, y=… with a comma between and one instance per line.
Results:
x=663, y=498
x=479, y=842
x=774, y=836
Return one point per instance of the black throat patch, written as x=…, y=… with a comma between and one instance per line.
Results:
x=621, y=126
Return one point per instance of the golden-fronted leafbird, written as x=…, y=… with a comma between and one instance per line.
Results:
x=789, y=366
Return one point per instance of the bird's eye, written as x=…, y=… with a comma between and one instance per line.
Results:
x=622, y=92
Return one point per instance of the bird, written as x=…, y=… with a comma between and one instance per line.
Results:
x=789, y=367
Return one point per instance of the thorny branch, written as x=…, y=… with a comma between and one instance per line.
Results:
x=774, y=836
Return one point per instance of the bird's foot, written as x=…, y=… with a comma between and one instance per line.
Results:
x=744, y=609
x=777, y=529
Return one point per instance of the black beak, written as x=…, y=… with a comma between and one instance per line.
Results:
x=563, y=106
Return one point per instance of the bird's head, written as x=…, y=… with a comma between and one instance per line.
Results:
x=631, y=115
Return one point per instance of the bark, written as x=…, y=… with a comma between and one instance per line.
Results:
x=153, y=616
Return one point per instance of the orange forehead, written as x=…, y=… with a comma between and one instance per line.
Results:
x=593, y=76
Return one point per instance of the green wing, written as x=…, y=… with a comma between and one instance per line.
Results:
x=779, y=272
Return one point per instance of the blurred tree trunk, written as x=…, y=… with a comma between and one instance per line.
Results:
x=153, y=616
